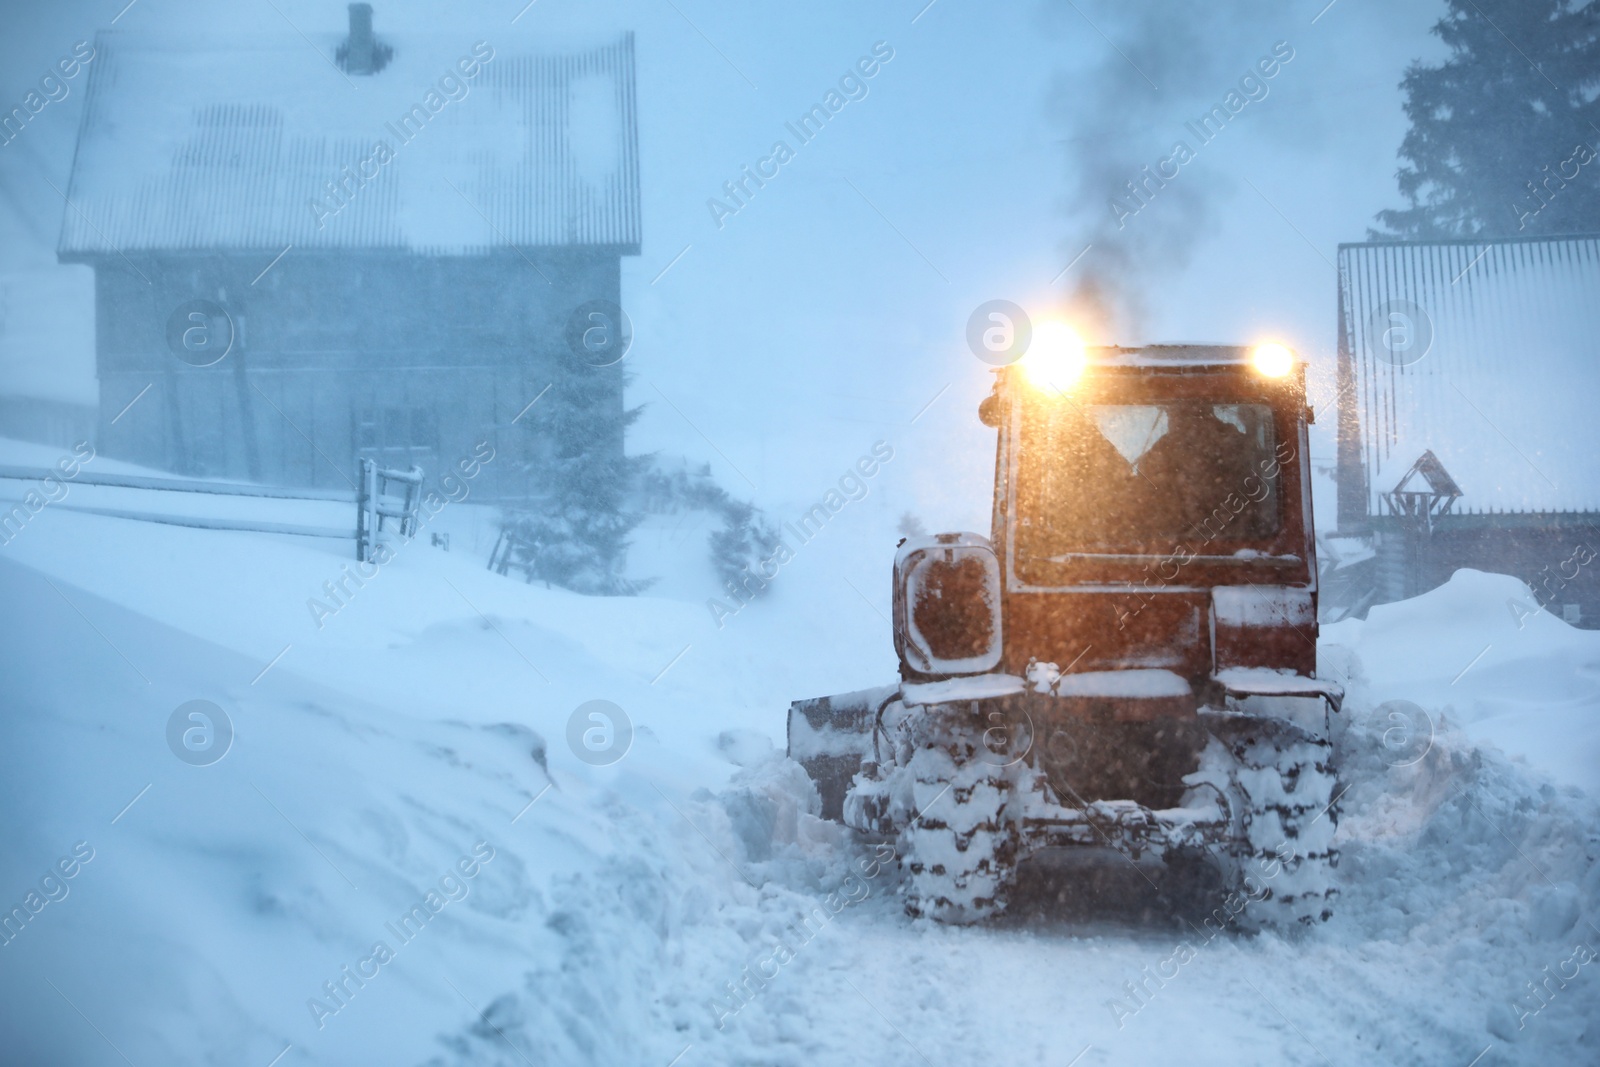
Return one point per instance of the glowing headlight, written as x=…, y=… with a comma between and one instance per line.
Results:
x=1272, y=360
x=1056, y=358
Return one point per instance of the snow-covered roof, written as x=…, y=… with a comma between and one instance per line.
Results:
x=242, y=144
x=1434, y=476
x=1486, y=353
x=1193, y=355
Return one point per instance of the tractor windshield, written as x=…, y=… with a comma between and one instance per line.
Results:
x=1145, y=478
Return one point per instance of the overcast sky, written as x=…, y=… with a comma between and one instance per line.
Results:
x=831, y=308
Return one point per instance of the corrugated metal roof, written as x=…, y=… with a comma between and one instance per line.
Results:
x=1508, y=392
x=232, y=145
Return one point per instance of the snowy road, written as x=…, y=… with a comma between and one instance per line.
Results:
x=374, y=755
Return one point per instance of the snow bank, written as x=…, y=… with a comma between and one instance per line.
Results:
x=1456, y=853
x=685, y=900
x=1478, y=652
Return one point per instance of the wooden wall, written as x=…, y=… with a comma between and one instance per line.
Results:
x=1546, y=551
x=322, y=339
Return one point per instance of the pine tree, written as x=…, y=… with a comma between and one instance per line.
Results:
x=576, y=536
x=744, y=542
x=1505, y=133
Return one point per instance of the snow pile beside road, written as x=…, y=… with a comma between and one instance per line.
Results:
x=1478, y=652
x=370, y=754
x=1455, y=853
x=687, y=930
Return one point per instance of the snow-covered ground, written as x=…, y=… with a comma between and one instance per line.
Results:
x=417, y=742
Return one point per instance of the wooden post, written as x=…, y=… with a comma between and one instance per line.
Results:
x=374, y=503
x=366, y=511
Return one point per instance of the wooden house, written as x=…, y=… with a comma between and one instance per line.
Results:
x=312, y=249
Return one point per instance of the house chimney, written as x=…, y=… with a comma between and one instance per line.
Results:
x=359, y=52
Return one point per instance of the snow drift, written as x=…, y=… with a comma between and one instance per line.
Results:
x=684, y=904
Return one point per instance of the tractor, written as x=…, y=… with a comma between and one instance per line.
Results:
x=1127, y=663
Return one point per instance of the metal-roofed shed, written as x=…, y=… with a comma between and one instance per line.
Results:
x=1477, y=361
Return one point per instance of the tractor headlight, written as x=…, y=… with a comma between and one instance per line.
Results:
x=1272, y=360
x=947, y=604
x=1056, y=358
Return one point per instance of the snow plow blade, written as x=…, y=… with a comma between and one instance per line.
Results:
x=831, y=736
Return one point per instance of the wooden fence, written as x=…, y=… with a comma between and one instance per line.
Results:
x=373, y=506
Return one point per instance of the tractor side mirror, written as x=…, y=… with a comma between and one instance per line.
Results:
x=989, y=410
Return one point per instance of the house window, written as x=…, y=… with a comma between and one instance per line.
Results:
x=397, y=436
